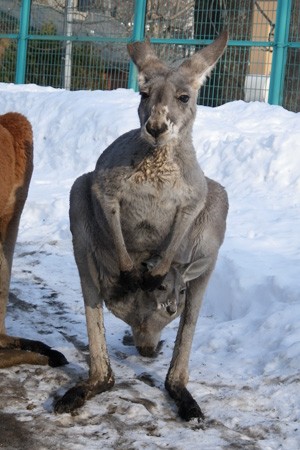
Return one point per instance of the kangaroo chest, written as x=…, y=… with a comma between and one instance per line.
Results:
x=148, y=218
x=156, y=169
x=150, y=198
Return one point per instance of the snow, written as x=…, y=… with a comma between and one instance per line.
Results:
x=244, y=368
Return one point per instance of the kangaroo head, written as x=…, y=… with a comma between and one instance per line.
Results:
x=169, y=299
x=168, y=96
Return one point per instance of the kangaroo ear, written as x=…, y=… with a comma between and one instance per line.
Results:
x=199, y=66
x=194, y=269
x=151, y=262
x=146, y=60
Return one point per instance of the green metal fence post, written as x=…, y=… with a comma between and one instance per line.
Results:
x=283, y=18
x=22, y=41
x=138, y=34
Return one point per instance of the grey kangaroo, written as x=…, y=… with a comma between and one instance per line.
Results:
x=147, y=226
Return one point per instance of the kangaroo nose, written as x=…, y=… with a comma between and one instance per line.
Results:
x=155, y=131
x=171, y=309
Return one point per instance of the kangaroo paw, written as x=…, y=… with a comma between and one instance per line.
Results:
x=151, y=282
x=129, y=281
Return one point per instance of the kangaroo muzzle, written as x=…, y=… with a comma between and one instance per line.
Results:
x=159, y=128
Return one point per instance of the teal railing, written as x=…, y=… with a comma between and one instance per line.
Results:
x=279, y=43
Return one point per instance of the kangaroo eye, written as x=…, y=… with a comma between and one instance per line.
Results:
x=144, y=95
x=162, y=288
x=183, y=98
x=182, y=291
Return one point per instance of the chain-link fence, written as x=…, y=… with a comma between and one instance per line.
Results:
x=81, y=44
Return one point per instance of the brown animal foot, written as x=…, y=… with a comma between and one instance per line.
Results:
x=76, y=397
x=150, y=282
x=188, y=408
x=55, y=358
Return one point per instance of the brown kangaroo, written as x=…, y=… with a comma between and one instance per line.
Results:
x=16, y=165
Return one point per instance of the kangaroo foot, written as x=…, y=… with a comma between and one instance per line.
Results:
x=55, y=358
x=73, y=399
x=188, y=408
x=76, y=397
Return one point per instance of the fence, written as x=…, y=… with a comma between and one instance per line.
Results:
x=81, y=44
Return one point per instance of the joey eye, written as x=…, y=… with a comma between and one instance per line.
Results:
x=183, y=98
x=144, y=95
x=162, y=288
x=182, y=291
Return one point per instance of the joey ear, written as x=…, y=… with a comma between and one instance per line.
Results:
x=199, y=66
x=145, y=59
x=194, y=269
x=151, y=262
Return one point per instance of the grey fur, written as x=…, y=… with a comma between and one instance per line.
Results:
x=147, y=226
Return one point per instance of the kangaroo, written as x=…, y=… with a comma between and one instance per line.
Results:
x=148, y=199
x=148, y=312
x=16, y=166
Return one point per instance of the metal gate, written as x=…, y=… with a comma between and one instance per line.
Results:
x=81, y=44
